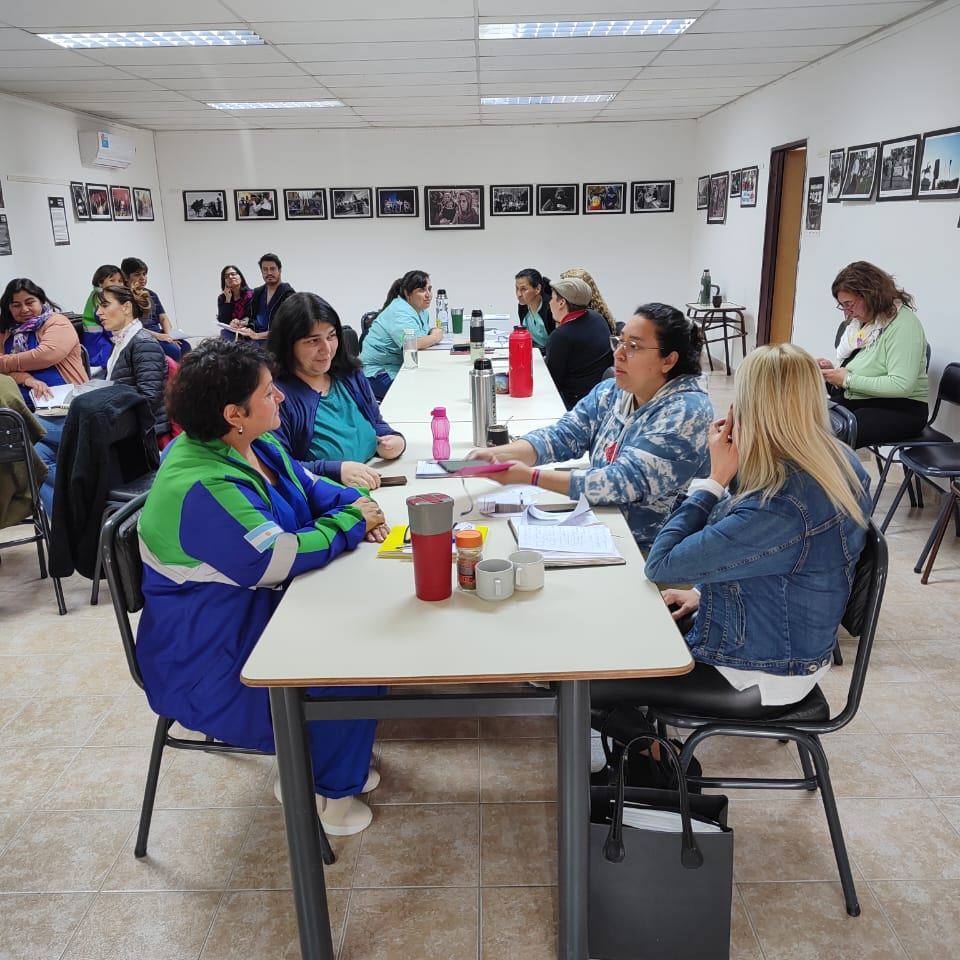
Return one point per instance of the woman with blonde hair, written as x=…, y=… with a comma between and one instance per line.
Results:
x=597, y=303
x=772, y=563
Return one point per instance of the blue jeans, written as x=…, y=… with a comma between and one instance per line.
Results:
x=47, y=451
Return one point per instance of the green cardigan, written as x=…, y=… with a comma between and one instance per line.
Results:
x=894, y=365
x=15, y=504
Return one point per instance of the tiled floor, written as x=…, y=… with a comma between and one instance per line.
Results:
x=460, y=860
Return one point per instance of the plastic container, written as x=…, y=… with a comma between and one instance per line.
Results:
x=469, y=553
x=443, y=311
x=440, y=428
x=431, y=536
x=521, y=362
x=410, y=358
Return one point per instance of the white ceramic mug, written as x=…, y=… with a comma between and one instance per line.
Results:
x=494, y=579
x=527, y=569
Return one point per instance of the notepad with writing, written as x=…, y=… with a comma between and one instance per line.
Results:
x=568, y=546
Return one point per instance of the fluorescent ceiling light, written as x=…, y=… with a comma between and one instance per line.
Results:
x=148, y=38
x=277, y=105
x=547, y=98
x=585, y=28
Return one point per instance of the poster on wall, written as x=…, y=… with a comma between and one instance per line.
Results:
x=556, y=199
x=351, y=203
x=605, y=198
x=255, y=204
x=735, y=184
x=814, y=202
x=748, y=186
x=98, y=201
x=860, y=172
x=703, y=192
x=651, y=196
x=398, y=202
x=940, y=166
x=79, y=198
x=835, y=174
x=719, y=187
x=453, y=208
x=511, y=200
x=121, y=202
x=1, y=196
x=305, y=204
x=5, y=247
x=898, y=168
x=204, y=204
x=143, y=203
x=58, y=221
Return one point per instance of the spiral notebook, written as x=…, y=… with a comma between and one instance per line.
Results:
x=566, y=545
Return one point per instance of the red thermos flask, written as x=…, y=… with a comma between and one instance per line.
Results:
x=521, y=362
x=431, y=535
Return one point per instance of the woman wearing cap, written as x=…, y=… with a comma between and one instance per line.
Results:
x=578, y=351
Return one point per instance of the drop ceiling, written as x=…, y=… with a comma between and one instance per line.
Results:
x=417, y=62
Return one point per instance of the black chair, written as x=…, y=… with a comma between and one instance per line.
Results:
x=951, y=504
x=843, y=424
x=120, y=554
x=366, y=322
x=351, y=341
x=804, y=722
x=85, y=359
x=16, y=448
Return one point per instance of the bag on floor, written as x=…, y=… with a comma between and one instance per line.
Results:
x=661, y=870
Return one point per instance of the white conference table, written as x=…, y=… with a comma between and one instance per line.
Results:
x=401, y=642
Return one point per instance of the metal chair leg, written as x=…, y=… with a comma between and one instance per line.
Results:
x=807, y=766
x=910, y=491
x=150, y=791
x=837, y=653
x=883, y=467
x=932, y=546
x=896, y=502
x=41, y=519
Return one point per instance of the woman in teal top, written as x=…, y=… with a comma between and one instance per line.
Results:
x=533, y=296
x=406, y=308
x=881, y=373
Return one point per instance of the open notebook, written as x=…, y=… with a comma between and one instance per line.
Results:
x=566, y=545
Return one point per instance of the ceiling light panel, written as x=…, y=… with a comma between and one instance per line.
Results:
x=551, y=98
x=277, y=105
x=150, y=38
x=566, y=29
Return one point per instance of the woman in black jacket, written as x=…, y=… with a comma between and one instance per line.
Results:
x=533, y=305
x=137, y=358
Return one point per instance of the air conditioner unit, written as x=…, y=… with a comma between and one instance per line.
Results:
x=101, y=149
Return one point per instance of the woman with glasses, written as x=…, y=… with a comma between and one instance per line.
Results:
x=881, y=366
x=644, y=429
x=233, y=304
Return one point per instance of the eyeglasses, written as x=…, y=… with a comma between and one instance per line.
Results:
x=846, y=305
x=630, y=346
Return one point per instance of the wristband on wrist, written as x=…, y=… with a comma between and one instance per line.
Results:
x=535, y=477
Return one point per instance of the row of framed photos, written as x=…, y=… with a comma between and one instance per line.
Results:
x=97, y=201
x=445, y=207
x=918, y=167
x=714, y=189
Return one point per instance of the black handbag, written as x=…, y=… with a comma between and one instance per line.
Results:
x=658, y=895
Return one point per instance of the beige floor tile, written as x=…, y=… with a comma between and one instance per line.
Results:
x=434, y=771
x=900, y=839
x=518, y=844
x=741, y=757
x=161, y=926
x=939, y=659
x=187, y=850
x=889, y=663
x=26, y=776
x=129, y=723
x=37, y=926
x=411, y=925
x=23, y=676
x=423, y=845
x=10, y=822
x=45, y=633
x=836, y=689
x=509, y=728
x=924, y=914
x=444, y=728
x=934, y=759
x=214, y=780
x=264, y=865
x=516, y=770
x=68, y=722
x=519, y=924
x=910, y=708
x=951, y=810
x=9, y=708
x=103, y=778
x=91, y=674
x=263, y=924
x=868, y=766
x=64, y=852
x=743, y=941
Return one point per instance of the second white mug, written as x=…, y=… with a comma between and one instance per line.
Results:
x=494, y=579
x=528, y=569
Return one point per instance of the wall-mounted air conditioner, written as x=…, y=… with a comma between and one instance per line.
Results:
x=101, y=149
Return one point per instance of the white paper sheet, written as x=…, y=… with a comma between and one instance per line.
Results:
x=590, y=541
x=61, y=397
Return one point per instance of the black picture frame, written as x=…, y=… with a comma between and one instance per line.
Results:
x=205, y=206
x=511, y=200
x=719, y=194
x=835, y=165
x=558, y=199
x=735, y=183
x=860, y=172
x=351, y=203
x=143, y=204
x=255, y=204
x=78, y=195
x=304, y=203
x=453, y=207
x=98, y=201
x=402, y=203
x=605, y=197
x=121, y=202
x=703, y=192
x=939, y=145
x=749, y=178
x=814, y=212
x=652, y=196
x=897, y=168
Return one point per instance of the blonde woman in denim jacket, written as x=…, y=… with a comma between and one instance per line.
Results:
x=774, y=563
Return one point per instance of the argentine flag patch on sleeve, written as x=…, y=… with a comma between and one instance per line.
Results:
x=262, y=538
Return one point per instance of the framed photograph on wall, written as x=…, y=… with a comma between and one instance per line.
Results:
x=398, y=202
x=940, y=164
x=511, y=200
x=835, y=174
x=143, y=203
x=98, y=201
x=557, y=199
x=351, y=203
x=651, y=196
x=719, y=188
x=605, y=197
x=814, y=203
x=748, y=186
x=735, y=183
x=79, y=197
x=898, y=168
x=308, y=204
x=860, y=172
x=204, y=204
x=703, y=192
x=121, y=202
x=453, y=208
x=255, y=204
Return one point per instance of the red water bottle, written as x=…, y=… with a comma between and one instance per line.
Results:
x=431, y=535
x=521, y=362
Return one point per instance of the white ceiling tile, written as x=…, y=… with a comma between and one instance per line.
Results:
x=423, y=104
x=514, y=11
x=13, y=39
x=127, y=84
x=136, y=56
x=645, y=82
x=318, y=52
x=358, y=94
x=680, y=58
x=790, y=16
x=357, y=81
x=760, y=71
x=166, y=72
x=300, y=82
x=305, y=10
x=127, y=100
x=558, y=49
x=29, y=74
x=54, y=57
x=571, y=62
x=613, y=74
x=769, y=38
x=567, y=85
x=367, y=31
x=56, y=15
x=439, y=65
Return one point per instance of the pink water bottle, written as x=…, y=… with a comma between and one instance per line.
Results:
x=440, y=428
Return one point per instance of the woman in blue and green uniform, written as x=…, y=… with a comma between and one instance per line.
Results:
x=230, y=520
x=533, y=297
x=330, y=420
x=97, y=342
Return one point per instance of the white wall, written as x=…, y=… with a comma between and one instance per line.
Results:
x=899, y=83
x=633, y=258
x=39, y=156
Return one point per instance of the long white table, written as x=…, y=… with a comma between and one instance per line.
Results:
x=586, y=623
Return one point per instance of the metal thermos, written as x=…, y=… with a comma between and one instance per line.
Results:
x=476, y=334
x=705, y=284
x=431, y=536
x=483, y=400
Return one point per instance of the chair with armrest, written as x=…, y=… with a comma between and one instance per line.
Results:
x=366, y=322
x=120, y=555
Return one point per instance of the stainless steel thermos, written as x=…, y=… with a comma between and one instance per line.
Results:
x=483, y=400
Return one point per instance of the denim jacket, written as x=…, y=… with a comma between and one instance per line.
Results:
x=774, y=577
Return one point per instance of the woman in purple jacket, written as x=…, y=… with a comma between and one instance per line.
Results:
x=330, y=420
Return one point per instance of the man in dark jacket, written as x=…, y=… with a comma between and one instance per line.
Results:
x=266, y=299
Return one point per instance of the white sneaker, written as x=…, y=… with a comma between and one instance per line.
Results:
x=345, y=816
x=369, y=785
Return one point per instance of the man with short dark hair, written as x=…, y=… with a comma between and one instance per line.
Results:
x=266, y=298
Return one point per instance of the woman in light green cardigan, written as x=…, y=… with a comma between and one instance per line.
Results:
x=881, y=368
